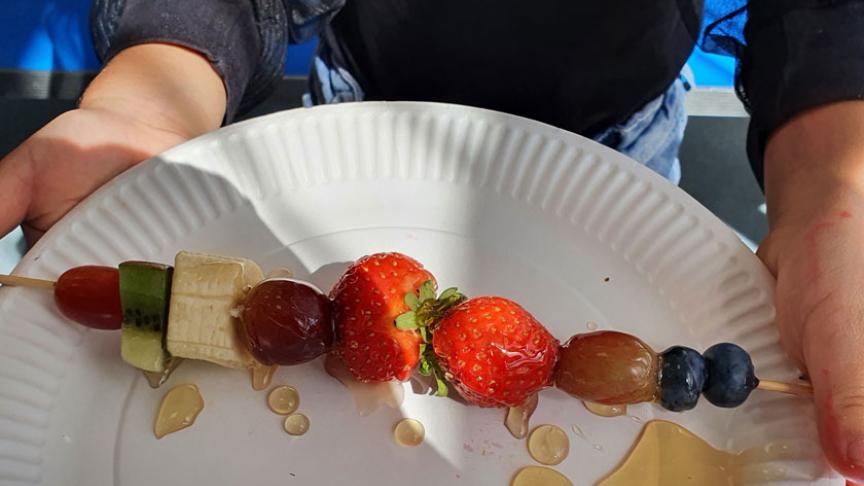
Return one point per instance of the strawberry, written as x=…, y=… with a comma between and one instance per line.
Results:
x=367, y=300
x=494, y=352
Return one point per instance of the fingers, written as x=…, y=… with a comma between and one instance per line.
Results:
x=820, y=312
x=16, y=180
x=833, y=344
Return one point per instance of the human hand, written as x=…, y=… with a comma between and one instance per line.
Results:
x=69, y=158
x=149, y=98
x=815, y=189
x=820, y=310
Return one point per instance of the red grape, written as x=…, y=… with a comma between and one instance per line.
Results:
x=286, y=322
x=90, y=296
x=608, y=367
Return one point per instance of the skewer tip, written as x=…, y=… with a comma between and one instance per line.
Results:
x=34, y=283
x=802, y=389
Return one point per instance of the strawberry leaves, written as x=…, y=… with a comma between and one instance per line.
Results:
x=429, y=367
x=425, y=311
x=425, y=308
x=407, y=321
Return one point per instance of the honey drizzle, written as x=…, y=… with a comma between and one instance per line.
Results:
x=261, y=376
x=602, y=410
x=296, y=424
x=409, y=432
x=368, y=397
x=517, y=419
x=667, y=453
x=283, y=400
x=157, y=379
x=539, y=476
x=178, y=410
x=281, y=272
x=548, y=444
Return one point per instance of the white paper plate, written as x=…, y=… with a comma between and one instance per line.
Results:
x=493, y=203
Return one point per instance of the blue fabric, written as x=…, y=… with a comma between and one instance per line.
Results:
x=335, y=84
x=724, y=22
x=653, y=135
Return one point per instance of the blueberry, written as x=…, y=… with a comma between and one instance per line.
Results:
x=682, y=377
x=730, y=375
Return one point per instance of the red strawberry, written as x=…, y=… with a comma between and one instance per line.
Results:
x=494, y=352
x=367, y=300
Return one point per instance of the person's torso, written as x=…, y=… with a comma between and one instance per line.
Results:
x=577, y=64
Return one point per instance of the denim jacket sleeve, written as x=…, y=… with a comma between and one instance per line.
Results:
x=244, y=40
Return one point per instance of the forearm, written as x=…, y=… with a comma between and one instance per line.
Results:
x=814, y=186
x=166, y=86
x=814, y=164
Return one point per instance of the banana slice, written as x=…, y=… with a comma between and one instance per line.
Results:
x=204, y=291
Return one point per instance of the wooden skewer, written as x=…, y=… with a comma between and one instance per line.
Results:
x=799, y=389
x=802, y=389
x=36, y=283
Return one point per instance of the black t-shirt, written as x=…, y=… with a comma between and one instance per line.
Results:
x=578, y=65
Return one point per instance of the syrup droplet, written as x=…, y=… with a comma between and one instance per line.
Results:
x=281, y=272
x=296, y=424
x=591, y=325
x=368, y=397
x=409, y=432
x=157, y=379
x=539, y=476
x=178, y=410
x=605, y=410
x=548, y=444
x=675, y=455
x=578, y=431
x=261, y=376
x=517, y=418
x=283, y=400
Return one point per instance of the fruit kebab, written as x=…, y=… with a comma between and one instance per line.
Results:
x=495, y=353
x=383, y=320
x=675, y=378
x=195, y=310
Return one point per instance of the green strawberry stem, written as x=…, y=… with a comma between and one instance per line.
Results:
x=430, y=363
x=425, y=311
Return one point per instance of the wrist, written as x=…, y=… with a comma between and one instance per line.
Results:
x=167, y=87
x=814, y=166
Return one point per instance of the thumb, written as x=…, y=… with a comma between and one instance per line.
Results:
x=832, y=351
x=16, y=184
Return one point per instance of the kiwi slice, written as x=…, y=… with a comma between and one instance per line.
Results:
x=145, y=289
